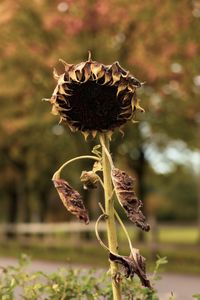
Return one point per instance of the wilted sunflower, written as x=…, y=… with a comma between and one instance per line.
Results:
x=92, y=97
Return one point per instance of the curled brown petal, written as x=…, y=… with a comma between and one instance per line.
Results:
x=124, y=187
x=71, y=199
x=132, y=266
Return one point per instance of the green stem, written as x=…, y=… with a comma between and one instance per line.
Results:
x=124, y=229
x=134, y=251
x=109, y=210
x=57, y=173
x=97, y=231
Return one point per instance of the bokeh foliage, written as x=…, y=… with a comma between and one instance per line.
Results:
x=158, y=42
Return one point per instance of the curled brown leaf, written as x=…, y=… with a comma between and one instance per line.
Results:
x=71, y=199
x=132, y=266
x=124, y=187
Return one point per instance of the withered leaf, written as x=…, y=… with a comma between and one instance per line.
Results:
x=124, y=187
x=89, y=179
x=71, y=199
x=132, y=266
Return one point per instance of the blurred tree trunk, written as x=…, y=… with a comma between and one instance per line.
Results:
x=140, y=170
x=154, y=236
x=26, y=203
x=43, y=209
x=13, y=205
x=139, y=166
x=198, y=201
x=198, y=220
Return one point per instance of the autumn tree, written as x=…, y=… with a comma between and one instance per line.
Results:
x=158, y=42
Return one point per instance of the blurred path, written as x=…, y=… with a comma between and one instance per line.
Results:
x=182, y=286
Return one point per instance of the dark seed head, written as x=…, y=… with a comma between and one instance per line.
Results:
x=92, y=97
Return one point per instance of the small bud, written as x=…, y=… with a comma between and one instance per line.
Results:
x=89, y=179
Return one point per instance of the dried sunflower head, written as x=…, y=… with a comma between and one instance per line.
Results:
x=92, y=97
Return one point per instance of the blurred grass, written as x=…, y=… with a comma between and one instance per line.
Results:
x=187, y=235
x=178, y=234
x=179, y=261
x=178, y=243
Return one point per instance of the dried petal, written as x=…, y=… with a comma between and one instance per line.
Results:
x=89, y=179
x=132, y=266
x=71, y=199
x=124, y=187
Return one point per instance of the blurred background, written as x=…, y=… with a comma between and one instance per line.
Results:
x=159, y=42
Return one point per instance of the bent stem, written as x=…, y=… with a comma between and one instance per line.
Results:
x=103, y=216
x=57, y=173
x=133, y=250
x=109, y=210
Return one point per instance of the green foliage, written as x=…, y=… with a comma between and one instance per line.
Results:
x=159, y=262
x=174, y=201
x=68, y=284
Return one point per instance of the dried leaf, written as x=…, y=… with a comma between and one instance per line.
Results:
x=85, y=134
x=132, y=266
x=89, y=179
x=71, y=199
x=124, y=187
